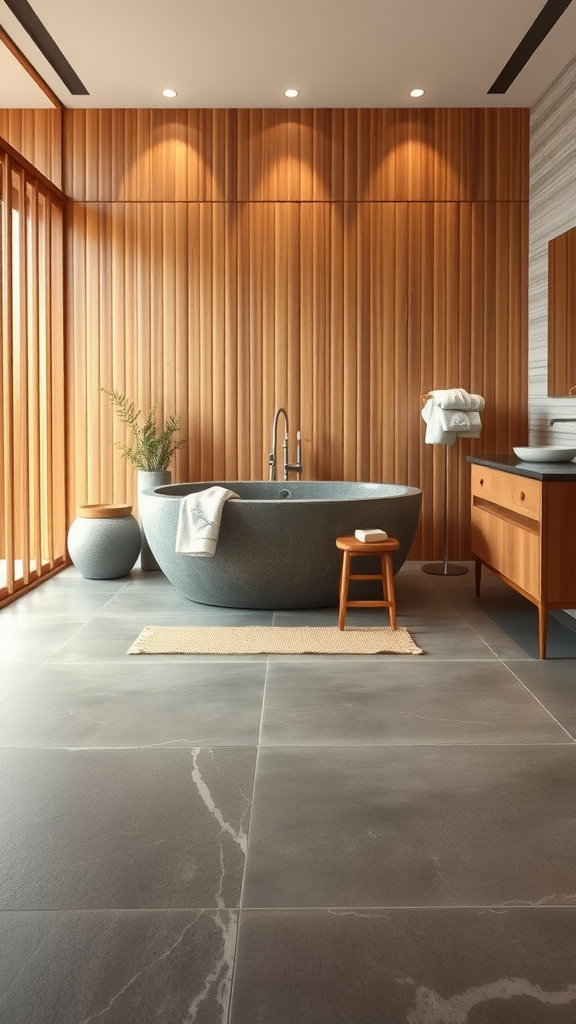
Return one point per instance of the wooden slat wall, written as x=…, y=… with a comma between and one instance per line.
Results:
x=339, y=263
x=37, y=135
x=296, y=156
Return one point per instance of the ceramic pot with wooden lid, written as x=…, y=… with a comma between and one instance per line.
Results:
x=104, y=541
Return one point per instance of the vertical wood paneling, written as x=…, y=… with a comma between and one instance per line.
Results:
x=338, y=263
x=296, y=155
x=37, y=135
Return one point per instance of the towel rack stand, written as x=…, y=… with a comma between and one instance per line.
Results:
x=445, y=568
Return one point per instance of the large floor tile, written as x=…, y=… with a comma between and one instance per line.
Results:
x=399, y=700
x=446, y=637
x=412, y=826
x=126, y=829
x=405, y=967
x=108, y=638
x=13, y=674
x=500, y=643
x=419, y=600
x=22, y=640
x=151, y=600
x=490, y=600
x=554, y=684
x=62, y=600
x=521, y=628
x=126, y=967
x=134, y=704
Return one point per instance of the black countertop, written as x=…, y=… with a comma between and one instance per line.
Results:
x=535, y=470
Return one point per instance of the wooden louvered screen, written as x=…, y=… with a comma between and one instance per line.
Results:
x=32, y=462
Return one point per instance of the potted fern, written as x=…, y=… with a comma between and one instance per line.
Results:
x=150, y=452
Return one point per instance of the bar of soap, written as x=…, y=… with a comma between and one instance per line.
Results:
x=370, y=536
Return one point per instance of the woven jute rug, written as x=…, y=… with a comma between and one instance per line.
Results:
x=273, y=640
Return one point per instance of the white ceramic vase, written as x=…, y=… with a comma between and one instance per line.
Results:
x=146, y=481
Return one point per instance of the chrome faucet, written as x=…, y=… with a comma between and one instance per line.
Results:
x=561, y=420
x=272, y=458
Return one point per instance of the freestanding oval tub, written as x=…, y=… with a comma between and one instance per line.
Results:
x=276, y=547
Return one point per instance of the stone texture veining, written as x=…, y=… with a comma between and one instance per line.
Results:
x=219, y=978
x=432, y=1008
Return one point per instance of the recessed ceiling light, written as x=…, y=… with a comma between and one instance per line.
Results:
x=169, y=93
x=416, y=93
x=291, y=93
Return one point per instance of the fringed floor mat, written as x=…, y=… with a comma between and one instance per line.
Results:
x=273, y=640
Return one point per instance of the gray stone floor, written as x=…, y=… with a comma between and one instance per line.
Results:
x=286, y=840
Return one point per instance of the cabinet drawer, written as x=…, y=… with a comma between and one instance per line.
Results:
x=518, y=493
x=511, y=550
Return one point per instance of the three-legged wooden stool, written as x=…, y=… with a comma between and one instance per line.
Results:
x=353, y=548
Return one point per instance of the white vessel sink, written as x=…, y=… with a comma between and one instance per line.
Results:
x=550, y=453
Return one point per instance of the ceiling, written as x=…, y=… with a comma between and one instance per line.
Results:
x=245, y=53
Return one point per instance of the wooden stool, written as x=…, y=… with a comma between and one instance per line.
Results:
x=355, y=548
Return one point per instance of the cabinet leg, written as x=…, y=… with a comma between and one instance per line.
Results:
x=477, y=575
x=542, y=628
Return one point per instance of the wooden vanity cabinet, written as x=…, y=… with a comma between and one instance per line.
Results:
x=524, y=530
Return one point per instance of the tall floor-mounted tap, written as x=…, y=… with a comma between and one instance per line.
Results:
x=295, y=467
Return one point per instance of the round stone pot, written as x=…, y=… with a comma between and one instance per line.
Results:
x=147, y=480
x=104, y=541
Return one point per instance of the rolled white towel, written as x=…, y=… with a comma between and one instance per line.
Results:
x=457, y=398
x=199, y=521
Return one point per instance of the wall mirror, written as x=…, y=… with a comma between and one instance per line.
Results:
x=562, y=314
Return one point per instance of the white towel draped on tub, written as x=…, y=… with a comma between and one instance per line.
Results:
x=199, y=521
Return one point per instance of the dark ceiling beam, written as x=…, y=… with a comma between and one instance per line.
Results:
x=40, y=35
x=23, y=60
x=539, y=29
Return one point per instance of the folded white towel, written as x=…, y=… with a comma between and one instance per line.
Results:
x=457, y=398
x=453, y=419
x=445, y=425
x=474, y=424
x=199, y=521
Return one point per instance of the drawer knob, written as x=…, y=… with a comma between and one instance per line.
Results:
x=481, y=482
x=522, y=495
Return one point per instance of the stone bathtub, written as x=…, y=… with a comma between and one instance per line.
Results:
x=276, y=547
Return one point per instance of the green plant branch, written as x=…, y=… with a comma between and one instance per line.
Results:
x=152, y=449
